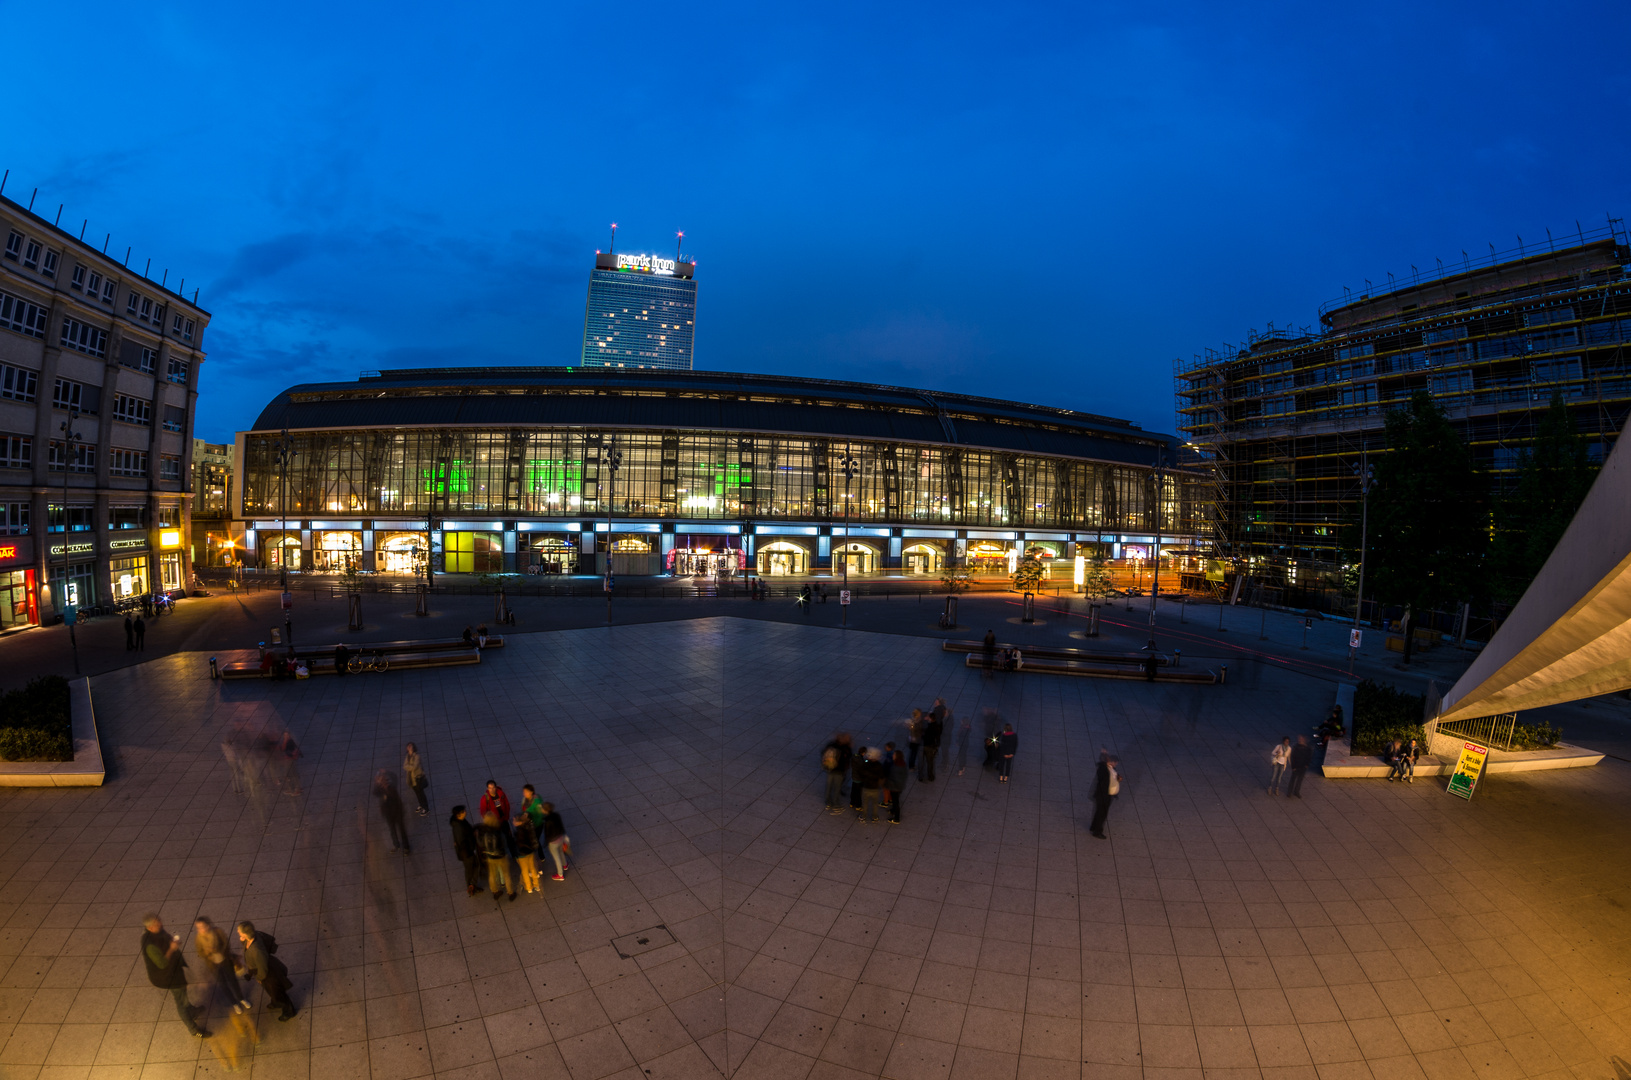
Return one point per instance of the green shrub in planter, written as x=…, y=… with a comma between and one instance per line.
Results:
x=34, y=722
x=1535, y=736
x=1382, y=714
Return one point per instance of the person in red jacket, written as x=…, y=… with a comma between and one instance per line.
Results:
x=495, y=802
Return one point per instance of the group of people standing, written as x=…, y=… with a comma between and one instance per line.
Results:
x=502, y=844
x=167, y=969
x=878, y=775
x=1295, y=759
x=135, y=633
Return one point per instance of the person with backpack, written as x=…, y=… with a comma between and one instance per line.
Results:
x=466, y=848
x=496, y=851
x=167, y=970
x=835, y=761
x=1106, y=786
x=264, y=967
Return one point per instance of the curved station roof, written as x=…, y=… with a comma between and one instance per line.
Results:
x=703, y=400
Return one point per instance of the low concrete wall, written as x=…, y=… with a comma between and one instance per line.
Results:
x=86, y=770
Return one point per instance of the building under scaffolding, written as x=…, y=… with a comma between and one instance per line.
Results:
x=1281, y=423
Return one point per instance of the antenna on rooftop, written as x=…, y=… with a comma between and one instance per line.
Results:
x=82, y=225
x=613, y=250
x=679, y=241
x=6, y=177
x=58, y=222
x=1549, y=246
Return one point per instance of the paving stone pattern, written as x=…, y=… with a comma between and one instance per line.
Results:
x=1366, y=930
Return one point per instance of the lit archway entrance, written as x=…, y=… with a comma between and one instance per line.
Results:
x=781, y=558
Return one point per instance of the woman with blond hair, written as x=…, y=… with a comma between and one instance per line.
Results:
x=215, y=949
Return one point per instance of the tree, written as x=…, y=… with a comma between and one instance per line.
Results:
x=954, y=580
x=1028, y=575
x=1554, y=474
x=1096, y=583
x=1429, y=521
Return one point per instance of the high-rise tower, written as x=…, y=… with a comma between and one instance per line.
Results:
x=641, y=313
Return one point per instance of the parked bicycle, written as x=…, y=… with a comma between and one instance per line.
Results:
x=367, y=662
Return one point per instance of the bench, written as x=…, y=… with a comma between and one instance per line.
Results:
x=440, y=655
x=1103, y=671
x=1135, y=659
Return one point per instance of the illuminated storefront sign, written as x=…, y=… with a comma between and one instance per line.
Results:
x=650, y=264
x=131, y=542
x=74, y=549
x=8, y=551
x=170, y=538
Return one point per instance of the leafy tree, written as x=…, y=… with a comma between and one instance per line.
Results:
x=1096, y=583
x=1429, y=521
x=1028, y=574
x=1554, y=474
x=955, y=581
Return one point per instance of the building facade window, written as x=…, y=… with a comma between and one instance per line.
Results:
x=84, y=458
x=31, y=255
x=23, y=316
x=127, y=462
x=169, y=467
x=18, y=384
x=132, y=410
x=49, y=266
x=127, y=517
x=170, y=516
x=14, y=518
x=138, y=357
x=84, y=337
x=175, y=417
x=76, y=280
x=14, y=246
x=76, y=395
x=16, y=452
x=79, y=517
x=178, y=371
x=108, y=288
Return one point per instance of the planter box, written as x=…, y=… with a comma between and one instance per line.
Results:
x=86, y=770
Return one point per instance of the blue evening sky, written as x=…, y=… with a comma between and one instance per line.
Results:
x=1048, y=203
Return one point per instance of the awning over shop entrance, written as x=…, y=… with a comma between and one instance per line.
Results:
x=1570, y=636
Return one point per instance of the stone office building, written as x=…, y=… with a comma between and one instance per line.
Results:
x=89, y=347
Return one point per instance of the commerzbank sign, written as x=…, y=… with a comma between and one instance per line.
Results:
x=650, y=264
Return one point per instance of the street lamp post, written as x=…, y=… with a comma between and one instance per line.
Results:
x=69, y=438
x=1367, y=479
x=1157, y=490
x=284, y=453
x=849, y=463
x=613, y=460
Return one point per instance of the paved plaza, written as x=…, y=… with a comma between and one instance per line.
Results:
x=718, y=923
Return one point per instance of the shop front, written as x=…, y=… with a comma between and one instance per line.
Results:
x=336, y=551
x=634, y=554
x=80, y=577
x=401, y=552
x=781, y=558
x=555, y=553
x=860, y=557
x=473, y=552
x=992, y=557
x=922, y=557
x=19, y=596
x=706, y=556
x=280, y=550
x=128, y=576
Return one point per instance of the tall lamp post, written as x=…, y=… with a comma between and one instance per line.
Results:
x=1367, y=480
x=285, y=451
x=849, y=463
x=70, y=438
x=613, y=460
x=1157, y=490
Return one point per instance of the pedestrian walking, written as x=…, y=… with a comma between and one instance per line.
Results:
x=965, y=730
x=871, y=774
x=141, y=633
x=555, y=838
x=1300, y=755
x=989, y=648
x=167, y=970
x=1278, y=758
x=1007, y=743
x=1106, y=786
x=130, y=634
x=495, y=850
x=933, y=731
x=342, y=659
x=835, y=763
x=390, y=808
x=216, y=953
x=264, y=967
x=464, y=846
x=287, y=755
x=895, y=781
x=1151, y=662
x=857, y=770
x=496, y=803
x=991, y=725
x=914, y=737
x=526, y=853
x=413, y=767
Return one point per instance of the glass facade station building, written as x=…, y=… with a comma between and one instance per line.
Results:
x=509, y=469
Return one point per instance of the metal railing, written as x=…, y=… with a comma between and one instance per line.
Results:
x=1495, y=731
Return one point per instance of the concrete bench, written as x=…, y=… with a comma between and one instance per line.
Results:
x=321, y=665
x=1101, y=671
x=1042, y=652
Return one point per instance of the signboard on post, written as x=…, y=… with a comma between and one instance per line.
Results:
x=1468, y=770
x=1354, y=637
x=288, y=601
x=843, y=597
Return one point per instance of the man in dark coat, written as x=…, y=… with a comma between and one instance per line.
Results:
x=989, y=648
x=835, y=759
x=934, y=730
x=1300, y=755
x=141, y=633
x=1101, y=793
x=166, y=969
x=342, y=658
x=266, y=969
x=130, y=634
x=390, y=808
x=464, y=846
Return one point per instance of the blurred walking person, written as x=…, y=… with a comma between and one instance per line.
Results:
x=1300, y=756
x=555, y=838
x=130, y=635
x=965, y=729
x=288, y=755
x=465, y=847
x=835, y=758
x=261, y=965
x=1007, y=744
x=167, y=970
x=390, y=808
x=895, y=781
x=413, y=767
x=1106, y=786
x=1278, y=758
x=496, y=851
x=141, y=633
x=216, y=952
